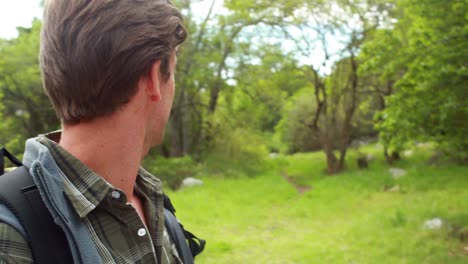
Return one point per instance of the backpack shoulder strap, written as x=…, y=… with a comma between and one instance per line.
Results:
x=19, y=194
x=5, y=153
x=180, y=236
x=177, y=235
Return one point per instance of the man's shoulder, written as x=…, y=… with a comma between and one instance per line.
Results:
x=13, y=186
x=13, y=245
x=7, y=217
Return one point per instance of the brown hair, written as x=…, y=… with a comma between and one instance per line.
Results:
x=93, y=52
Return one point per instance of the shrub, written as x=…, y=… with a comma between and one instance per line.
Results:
x=172, y=171
x=238, y=151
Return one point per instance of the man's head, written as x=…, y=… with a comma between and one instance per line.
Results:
x=94, y=52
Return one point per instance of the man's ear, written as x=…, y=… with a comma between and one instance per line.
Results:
x=154, y=82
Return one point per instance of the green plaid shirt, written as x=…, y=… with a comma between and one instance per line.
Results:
x=118, y=232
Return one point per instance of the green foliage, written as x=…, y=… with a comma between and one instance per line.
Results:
x=237, y=152
x=274, y=143
x=234, y=150
x=25, y=110
x=293, y=125
x=425, y=55
x=263, y=89
x=171, y=171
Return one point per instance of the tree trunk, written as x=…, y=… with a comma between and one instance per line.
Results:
x=391, y=157
x=186, y=128
x=176, y=149
x=333, y=165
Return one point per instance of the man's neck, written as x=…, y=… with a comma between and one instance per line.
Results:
x=108, y=148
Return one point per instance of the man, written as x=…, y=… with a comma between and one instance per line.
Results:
x=108, y=69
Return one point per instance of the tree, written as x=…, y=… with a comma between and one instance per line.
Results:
x=382, y=67
x=339, y=95
x=25, y=110
x=429, y=67
x=207, y=62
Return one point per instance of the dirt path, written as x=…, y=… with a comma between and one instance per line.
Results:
x=300, y=188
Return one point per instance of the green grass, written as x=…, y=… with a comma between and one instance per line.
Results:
x=347, y=218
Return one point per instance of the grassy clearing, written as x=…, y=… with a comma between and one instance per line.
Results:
x=347, y=218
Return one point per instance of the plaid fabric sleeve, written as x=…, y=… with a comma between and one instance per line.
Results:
x=13, y=247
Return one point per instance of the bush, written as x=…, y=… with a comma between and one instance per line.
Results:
x=237, y=152
x=172, y=171
x=293, y=129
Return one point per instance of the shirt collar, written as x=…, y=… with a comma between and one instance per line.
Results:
x=84, y=188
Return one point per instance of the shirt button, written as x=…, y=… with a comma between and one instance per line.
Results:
x=115, y=194
x=141, y=232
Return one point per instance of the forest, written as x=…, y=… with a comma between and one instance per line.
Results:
x=312, y=93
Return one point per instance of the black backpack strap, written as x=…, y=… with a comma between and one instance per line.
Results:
x=47, y=241
x=196, y=244
x=4, y=153
x=180, y=236
x=177, y=235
